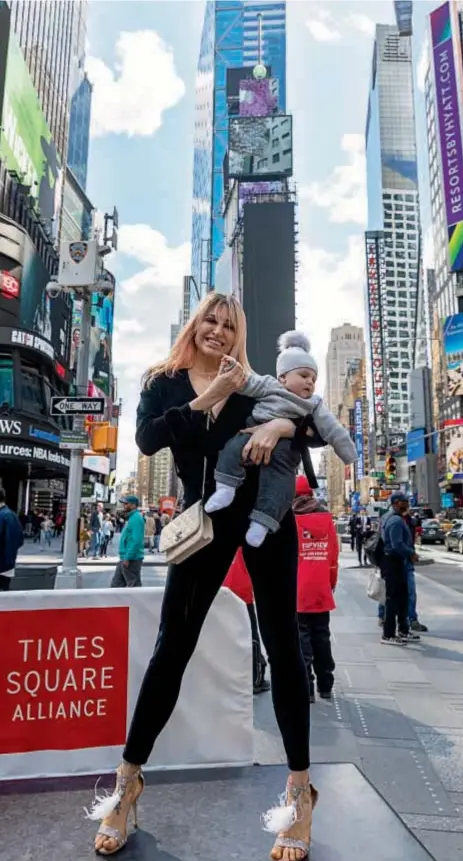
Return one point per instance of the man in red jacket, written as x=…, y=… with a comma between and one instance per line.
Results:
x=316, y=582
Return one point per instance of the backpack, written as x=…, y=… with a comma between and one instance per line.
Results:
x=374, y=544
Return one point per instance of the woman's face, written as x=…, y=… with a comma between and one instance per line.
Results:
x=215, y=335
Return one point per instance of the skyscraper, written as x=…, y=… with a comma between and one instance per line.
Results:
x=229, y=45
x=79, y=131
x=393, y=237
x=52, y=39
x=345, y=346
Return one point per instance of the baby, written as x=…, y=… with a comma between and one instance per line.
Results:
x=290, y=397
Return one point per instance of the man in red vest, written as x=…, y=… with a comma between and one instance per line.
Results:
x=316, y=582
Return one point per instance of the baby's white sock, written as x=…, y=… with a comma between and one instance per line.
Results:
x=222, y=498
x=256, y=534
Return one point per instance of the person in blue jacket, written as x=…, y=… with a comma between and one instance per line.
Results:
x=11, y=539
x=131, y=546
x=399, y=552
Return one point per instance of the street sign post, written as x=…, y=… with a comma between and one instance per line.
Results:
x=75, y=440
x=80, y=406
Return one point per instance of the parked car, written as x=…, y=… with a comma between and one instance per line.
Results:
x=454, y=539
x=431, y=532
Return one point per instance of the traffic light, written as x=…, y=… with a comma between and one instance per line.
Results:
x=390, y=470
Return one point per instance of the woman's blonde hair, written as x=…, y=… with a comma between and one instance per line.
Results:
x=183, y=353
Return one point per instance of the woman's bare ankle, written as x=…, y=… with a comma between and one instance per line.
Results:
x=299, y=778
x=127, y=769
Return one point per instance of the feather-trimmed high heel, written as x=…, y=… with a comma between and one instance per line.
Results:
x=292, y=821
x=116, y=808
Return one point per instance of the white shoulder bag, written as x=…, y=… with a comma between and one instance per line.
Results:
x=190, y=531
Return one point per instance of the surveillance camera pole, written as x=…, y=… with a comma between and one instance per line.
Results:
x=70, y=576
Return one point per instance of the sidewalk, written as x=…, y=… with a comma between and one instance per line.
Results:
x=395, y=727
x=33, y=554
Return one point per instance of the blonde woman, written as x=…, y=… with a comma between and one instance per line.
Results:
x=177, y=395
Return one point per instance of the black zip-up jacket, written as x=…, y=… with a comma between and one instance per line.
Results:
x=165, y=420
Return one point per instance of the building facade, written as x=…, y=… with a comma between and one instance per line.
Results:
x=52, y=39
x=79, y=131
x=346, y=345
x=394, y=224
x=229, y=43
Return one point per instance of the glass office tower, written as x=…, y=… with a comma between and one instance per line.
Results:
x=79, y=131
x=52, y=39
x=229, y=41
x=394, y=217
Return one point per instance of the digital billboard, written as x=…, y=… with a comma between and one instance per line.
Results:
x=450, y=137
x=404, y=16
x=454, y=453
x=260, y=147
x=101, y=333
x=453, y=348
x=26, y=144
x=376, y=265
x=24, y=302
x=258, y=98
x=358, y=434
x=268, y=280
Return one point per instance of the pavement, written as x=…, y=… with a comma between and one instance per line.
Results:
x=387, y=754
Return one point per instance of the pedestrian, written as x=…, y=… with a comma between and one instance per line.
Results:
x=150, y=531
x=106, y=535
x=362, y=527
x=352, y=530
x=11, y=539
x=96, y=524
x=240, y=583
x=131, y=546
x=177, y=397
x=413, y=619
x=47, y=531
x=317, y=577
x=398, y=551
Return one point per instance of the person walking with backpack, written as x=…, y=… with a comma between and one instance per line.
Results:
x=11, y=539
x=398, y=552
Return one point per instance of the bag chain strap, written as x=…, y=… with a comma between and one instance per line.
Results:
x=203, y=488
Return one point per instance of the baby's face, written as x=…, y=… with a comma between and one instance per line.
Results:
x=300, y=382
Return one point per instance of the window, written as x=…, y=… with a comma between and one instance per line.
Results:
x=32, y=394
x=6, y=381
x=276, y=157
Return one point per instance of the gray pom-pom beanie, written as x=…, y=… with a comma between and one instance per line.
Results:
x=294, y=350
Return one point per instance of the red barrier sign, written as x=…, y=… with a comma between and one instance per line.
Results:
x=63, y=678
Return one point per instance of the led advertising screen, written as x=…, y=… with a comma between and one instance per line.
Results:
x=258, y=98
x=448, y=120
x=375, y=261
x=268, y=280
x=260, y=147
x=404, y=16
x=453, y=348
x=358, y=433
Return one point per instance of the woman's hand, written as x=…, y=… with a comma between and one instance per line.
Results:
x=264, y=438
x=230, y=379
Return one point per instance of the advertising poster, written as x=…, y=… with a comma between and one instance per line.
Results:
x=50, y=318
x=454, y=453
x=26, y=144
x=258, y=98
x=449, y=124
x=416, y=445
x=358, y=432
x=65, y=678
x=100, y=339
x=453, y=349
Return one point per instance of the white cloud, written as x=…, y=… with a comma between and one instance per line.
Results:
x=132, y=99
x=322, y=31
x=165, y=265
x=146, y=305
x=343, y=193
x=422, y=64
x=330, y=292
x=362, y=23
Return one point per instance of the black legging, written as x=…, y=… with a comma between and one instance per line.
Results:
x=190, y=590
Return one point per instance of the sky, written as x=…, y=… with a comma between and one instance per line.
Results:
x=141, y=59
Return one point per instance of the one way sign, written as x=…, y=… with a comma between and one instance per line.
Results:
x=77, y=406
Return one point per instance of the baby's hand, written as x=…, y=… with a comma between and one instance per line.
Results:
x=309, y=432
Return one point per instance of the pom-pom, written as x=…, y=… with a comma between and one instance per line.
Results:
x=293, y=339
x=280, y=819
x=103, y=805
